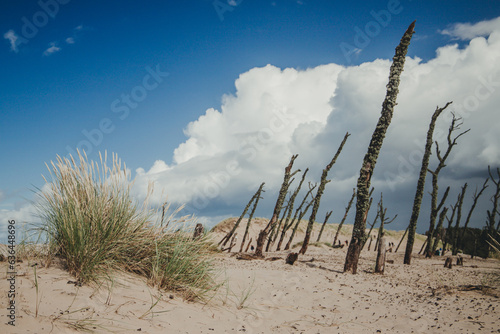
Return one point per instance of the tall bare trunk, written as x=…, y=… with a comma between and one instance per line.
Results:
x=417, y=201
x=358, y=234
x=455, y=125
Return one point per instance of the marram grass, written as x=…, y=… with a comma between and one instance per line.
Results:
x=95, y=226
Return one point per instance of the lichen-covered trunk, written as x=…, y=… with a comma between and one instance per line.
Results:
x=417, y=201
x=370, y=159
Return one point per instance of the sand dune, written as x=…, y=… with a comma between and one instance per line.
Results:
x=262, y=296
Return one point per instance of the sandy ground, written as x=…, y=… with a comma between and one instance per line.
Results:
x=262, y=296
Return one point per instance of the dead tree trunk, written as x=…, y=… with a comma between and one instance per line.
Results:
x=276, y=228
x=447, y=232
x=277, y=208
x=301, y=215
x=417, y=201
x=400, y=241
x=459, y=216
x=288, y=224
x=256, y=197
x=370, y=159
x=328, y=214
x=495, y=199
x=434, y=212
x=231, y=244
x=230, y=234
x=448, y=263
x=439, y=229
x=383, y=221
x=425, y=244
x=317, y=198
x=475, y=197
x=248, y=246
x=455, y=125
x=345, y=216
x=198, y=231
x=380, y=263
x=374, y=221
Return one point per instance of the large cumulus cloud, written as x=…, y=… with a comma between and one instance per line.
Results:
x=279, y=112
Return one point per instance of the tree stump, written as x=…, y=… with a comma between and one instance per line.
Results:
x=291, y=258
x=198, y=231
x=380, y=264
x=448, y=263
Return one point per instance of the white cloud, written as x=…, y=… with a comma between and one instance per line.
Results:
x=12, y=37
x=467, y=31
x=52, y=49
x=279, y=112
x=70, y=40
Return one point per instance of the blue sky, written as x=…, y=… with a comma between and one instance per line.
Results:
x=69, y=66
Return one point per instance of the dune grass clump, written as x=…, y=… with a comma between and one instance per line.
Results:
x=95, y=226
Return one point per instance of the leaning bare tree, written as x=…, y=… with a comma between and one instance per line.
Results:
x=434, y=212
x=287, y=223
x=380, y=262
x=328, y=214
x=277, y=208
x=256, y=199
x=438, y=232
x=417, y=201
x=317, y=198
x=459, y=217
x=364, y=180
x=475, y=198
x=454, y=126
x=228, y=236
x=300, y=214
x=345, y=216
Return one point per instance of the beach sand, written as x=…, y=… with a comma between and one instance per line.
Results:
x=265, y=296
